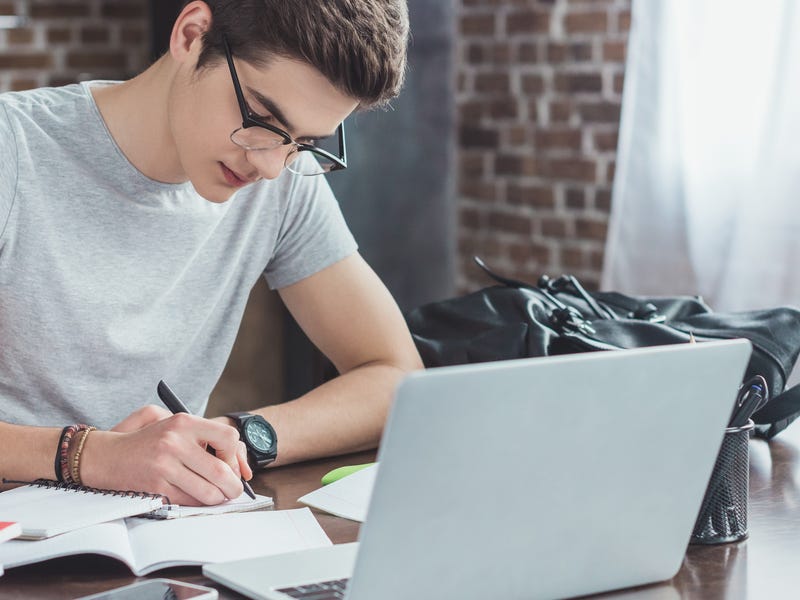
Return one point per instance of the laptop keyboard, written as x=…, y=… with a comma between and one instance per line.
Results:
x=324, y=590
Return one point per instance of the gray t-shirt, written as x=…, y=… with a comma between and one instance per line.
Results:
x=110, y=281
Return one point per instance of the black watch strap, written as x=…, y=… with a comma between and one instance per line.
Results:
x=258, y=459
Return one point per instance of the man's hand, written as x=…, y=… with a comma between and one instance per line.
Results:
x=154, y=451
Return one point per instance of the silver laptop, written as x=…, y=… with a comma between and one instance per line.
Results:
x=534, y=478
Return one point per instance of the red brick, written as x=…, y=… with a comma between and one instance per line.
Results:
x=605, y=141
x=560, y=111
x=549, y=139
x=554, y=227
x=95, y=35
x=133, y=35
x=595, y=259
x=58, y=10
x=533, y=110
x=517, y=136
x=614, y=51
x=19, y=36
x=16, y=60
x=527, y=53
x=576, y=199
x=538, y=197
x=624, y=21
x=602, y=200
x=471, y=111
x=586, y=22
x=471, y=164
x=478, y=190
x=58, y=35
x=510, y=223
x=57, y=80
x=492, y=82
x=115, y=9
x=591, y=229
x=599, y=112
x=523, y=252
x=572, y=83
x=572, y=258
x=528, y=21
x=500, y=53
x=505, y=108
x=506, y=164
x=478, y=137
x=619, y=80
x=477, y=25
x=576, y=169
x=17, y=85
x=532, y=84
x=470, y=218
x=572, y=52
x=87, y=59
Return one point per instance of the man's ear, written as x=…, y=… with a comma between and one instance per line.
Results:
x=186, y=39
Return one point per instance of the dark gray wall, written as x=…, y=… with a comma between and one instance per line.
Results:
x=398, y=192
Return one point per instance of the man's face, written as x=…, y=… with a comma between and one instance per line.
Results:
x=203, y=111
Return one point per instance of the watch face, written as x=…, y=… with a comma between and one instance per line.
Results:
x=259, y=435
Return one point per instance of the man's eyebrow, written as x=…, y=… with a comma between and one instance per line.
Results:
x=276, y=112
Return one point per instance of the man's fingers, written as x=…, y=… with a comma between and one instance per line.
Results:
x=147, y=415
x=216, y=472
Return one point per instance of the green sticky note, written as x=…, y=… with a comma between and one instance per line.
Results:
x=337, y=474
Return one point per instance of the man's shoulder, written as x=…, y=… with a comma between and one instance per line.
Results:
x=46, y=97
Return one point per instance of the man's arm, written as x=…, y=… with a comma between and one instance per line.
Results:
x=348, y=313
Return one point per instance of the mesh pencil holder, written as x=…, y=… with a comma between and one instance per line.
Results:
x=723, y=514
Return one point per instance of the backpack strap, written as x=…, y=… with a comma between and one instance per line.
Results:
x=778, y=414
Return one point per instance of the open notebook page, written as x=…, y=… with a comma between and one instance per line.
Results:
x=146, y=545
x=160, y=544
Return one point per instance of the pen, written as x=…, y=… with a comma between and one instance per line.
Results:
x=174, y=404
x=752, y=398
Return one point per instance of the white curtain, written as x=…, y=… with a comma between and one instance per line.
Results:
x=707, y=190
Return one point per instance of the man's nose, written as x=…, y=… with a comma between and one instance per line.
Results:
x=269, y=163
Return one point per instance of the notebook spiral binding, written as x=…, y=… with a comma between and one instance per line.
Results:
x=74, y=487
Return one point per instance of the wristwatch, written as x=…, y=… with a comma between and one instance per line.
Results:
x=259, y=437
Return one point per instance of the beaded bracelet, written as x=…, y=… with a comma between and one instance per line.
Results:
x=57, y=463
x=64, y=474
x=75, y=469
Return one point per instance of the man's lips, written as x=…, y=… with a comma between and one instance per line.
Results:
x=233, y=178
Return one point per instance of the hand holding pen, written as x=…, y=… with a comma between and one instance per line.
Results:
x=174, y=404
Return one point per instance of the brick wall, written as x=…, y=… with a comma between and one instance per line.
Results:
x=61, y=42
x=539, y=87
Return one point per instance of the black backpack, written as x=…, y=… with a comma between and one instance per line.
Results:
x=558, y=316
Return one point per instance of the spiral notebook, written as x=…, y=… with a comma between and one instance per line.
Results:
x=47, y=508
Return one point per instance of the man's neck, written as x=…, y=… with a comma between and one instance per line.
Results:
x=136, y=114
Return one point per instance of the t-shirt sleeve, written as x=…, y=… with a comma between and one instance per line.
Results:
x=8, y=167
x=312, y=236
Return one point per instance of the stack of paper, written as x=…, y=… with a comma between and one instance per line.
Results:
x=348, y=497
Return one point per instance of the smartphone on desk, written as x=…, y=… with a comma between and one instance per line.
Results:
x=157, y=589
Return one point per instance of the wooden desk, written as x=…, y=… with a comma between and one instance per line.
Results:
x=765, y=565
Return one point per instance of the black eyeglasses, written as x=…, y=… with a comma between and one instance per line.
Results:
x=256, y=135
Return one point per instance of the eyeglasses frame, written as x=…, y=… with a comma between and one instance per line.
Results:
x=249, y=120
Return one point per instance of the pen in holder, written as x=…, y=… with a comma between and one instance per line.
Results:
x=723, y=514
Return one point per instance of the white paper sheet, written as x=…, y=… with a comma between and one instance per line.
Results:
x=348, y=497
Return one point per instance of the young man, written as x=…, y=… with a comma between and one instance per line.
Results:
x=135, y=218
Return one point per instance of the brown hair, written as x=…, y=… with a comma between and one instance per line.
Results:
x=358, y=45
